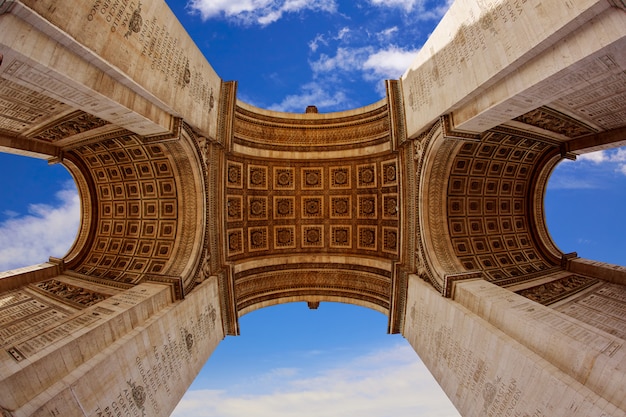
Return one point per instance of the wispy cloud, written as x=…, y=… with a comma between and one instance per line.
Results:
x=590, y=170
x=380, y=46
x=372, y=63
x=386, y=34
x=390, y=382
x=315, y=43
x=369, y=63
x=260, y=12
x=583, y=241
x=388, y=63
x=567, y=182
x=47, y=230
x=322, y=95
x=422, y=9
x=617, y=156
x=345, y=59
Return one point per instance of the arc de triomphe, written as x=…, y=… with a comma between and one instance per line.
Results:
x=198, y=208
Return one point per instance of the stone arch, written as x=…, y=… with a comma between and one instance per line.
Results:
x=313, y=207
x=141, y=203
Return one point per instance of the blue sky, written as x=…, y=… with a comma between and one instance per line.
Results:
x=337, y=360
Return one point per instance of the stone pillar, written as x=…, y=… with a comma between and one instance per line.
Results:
x=135, y=355
x=495, y=353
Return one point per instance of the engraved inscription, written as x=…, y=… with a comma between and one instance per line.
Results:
x=160, y=369
x=474, y=36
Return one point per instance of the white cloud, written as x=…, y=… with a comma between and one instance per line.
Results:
x=407, y=5
x=374, y=64
x=314, y=94
x=590, y=170
x=618, y=155
x=261, y=12
x=10, y=213
x=46, y=231
x=614, y=158
x=315, y=43
x=392, y=382
x=389, y=63
x=343, y=32
x=595, y=157
x=598, y=157
x=386, y=34
x=420, y=7
x=345, y=59
x=560, y=181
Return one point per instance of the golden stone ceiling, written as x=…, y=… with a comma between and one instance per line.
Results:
x=341, y=207
x=312, y=206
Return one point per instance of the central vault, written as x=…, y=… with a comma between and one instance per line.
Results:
x=313, y=206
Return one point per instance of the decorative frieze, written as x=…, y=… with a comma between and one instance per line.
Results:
x=559, y=289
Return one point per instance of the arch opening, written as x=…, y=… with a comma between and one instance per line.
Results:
x=584, y=202
x=40, y=211
x=336, y=360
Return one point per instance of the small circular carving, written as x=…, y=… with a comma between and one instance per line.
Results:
x=136, y=22
x=312, y=178
x=367, y=175
x=257, y=178
x=233, y=208
x=341, y=236
x=257, y=238
x=233, y=175
x=284, y=179
x=284, y=207
x=367, y=206
x=489, y=393
x=233, y=242
x=256, y=208
x=368, y=237
x=391, y=173
x=284, y=236
x=392, y=206
x=189, y=341
x=312, y=207
x=139, y=395
x=341, y=178
x=187, y=74
x=312, y=236
x=341, y=206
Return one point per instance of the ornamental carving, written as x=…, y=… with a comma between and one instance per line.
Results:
x=549, y=119
x=487, y=208
x=147, y=205
x=75, y=123
x=312, y=207
x=340, y=177
x=284, y=178
x=139, y=394
x=276, y=132
x=558, y=289
x=69, y=292
x=368, y=286
x=135, y=23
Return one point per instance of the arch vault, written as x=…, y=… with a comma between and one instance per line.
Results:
x=426, y=206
